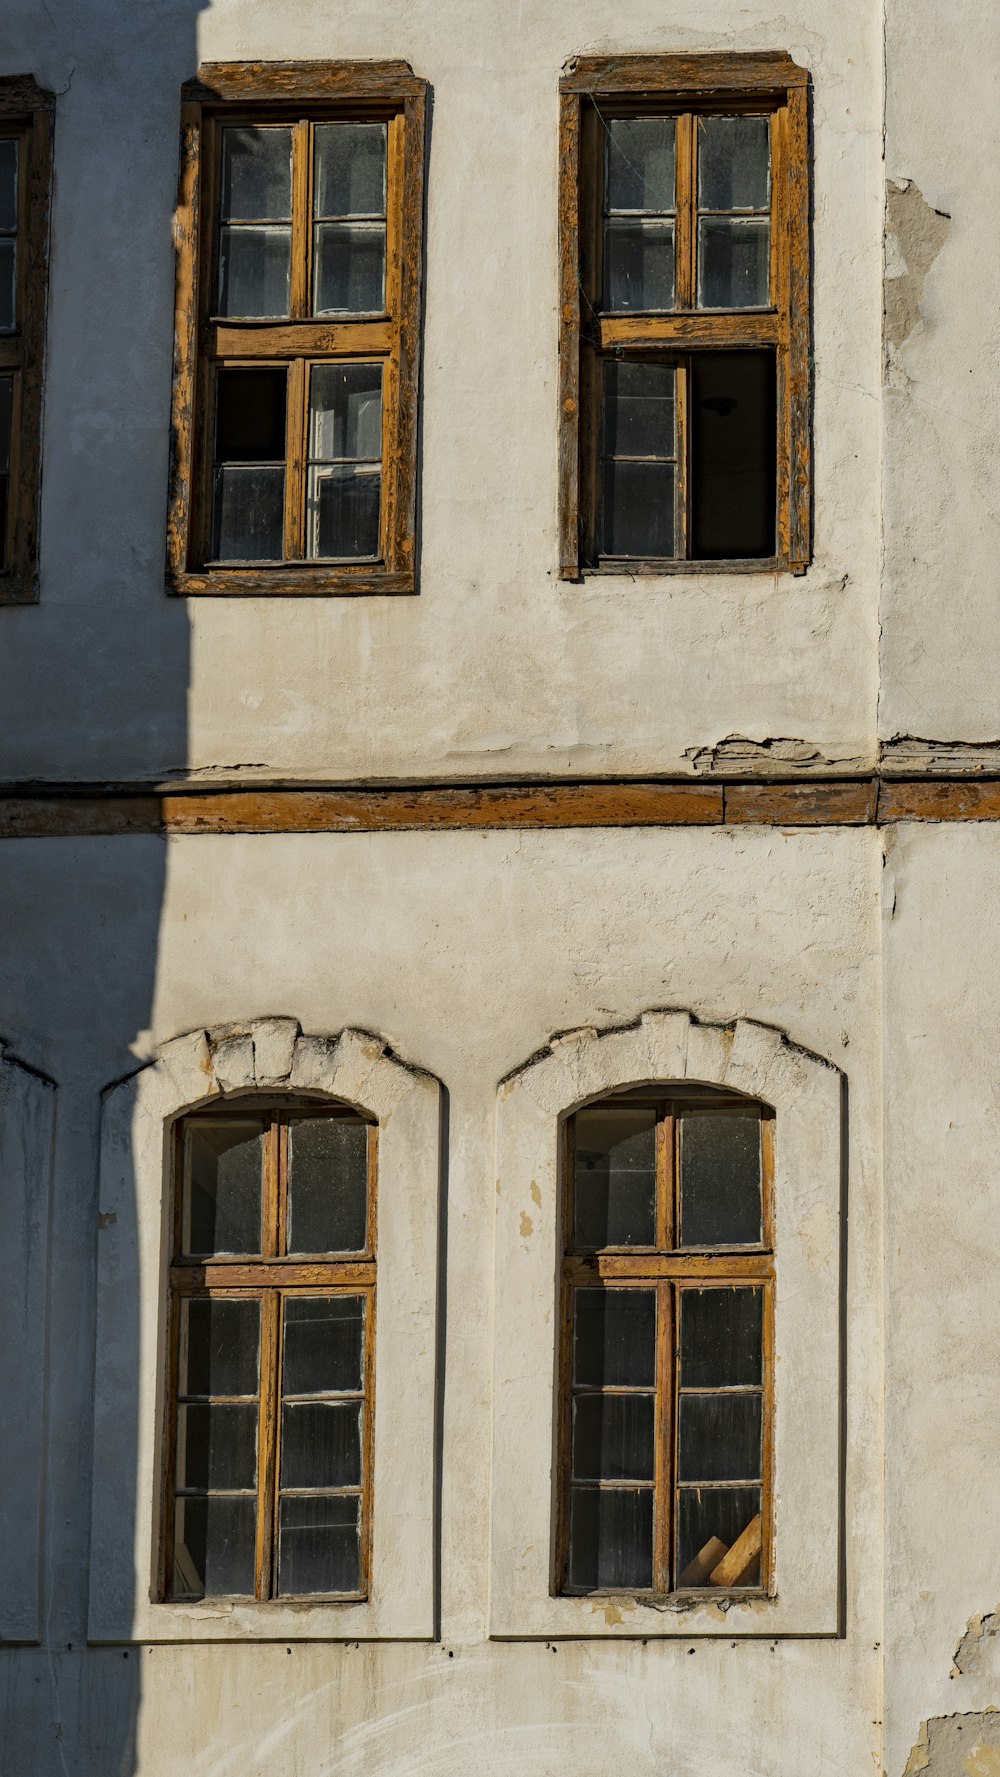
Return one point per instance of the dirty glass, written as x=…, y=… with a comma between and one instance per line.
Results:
x=250, y=464
x=638, y=460
x=327, y=1185
x=639, y=209
x=720, y=1432
x=613, y=1433
x=322, y=1445
x=323, y=1344
x=611, y=1538
x=8, y=232
x=215, y=1540
x=349, y=219
x=734, y=203
x=614, y=1338
x=215, y=1514
x=319, y=1544
x=614, y=1177
x=221, y=1205
x=6, y=413
x=720, y=1162
x=219, y=1346
x=255, y=231
x=344, y=484
x=710, y=1522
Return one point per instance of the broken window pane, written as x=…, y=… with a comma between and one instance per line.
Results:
x=611, y=1538
x=327, y=1185
x=733, y=455
x=319, y=1544
x=720, y=1180
x=250, y=466
x=222, y=1188
x=615, y=1177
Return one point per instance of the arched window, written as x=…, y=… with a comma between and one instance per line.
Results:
x=666, y=1343
x=271, y=1331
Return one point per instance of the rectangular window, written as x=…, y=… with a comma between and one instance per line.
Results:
x=298, y=319
x=684, y=331
x=272, y=1294
x=666, y=1338
x=26, y=116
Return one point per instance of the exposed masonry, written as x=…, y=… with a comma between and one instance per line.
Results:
x=914, y=234
x=969, y=1650
x=957, y=1746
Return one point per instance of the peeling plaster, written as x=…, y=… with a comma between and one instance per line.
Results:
x=760, y=758
x=969, y=1650
x=915, y=232
x=957, y=1746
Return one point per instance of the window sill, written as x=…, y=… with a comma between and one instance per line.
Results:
x=292, y=582
x=759, y=564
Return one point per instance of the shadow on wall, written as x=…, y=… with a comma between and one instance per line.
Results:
x=93, y=683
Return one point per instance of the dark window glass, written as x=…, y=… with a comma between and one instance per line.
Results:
x=710, y=1520
x=8, y=232
x=327, y=1185
x=217, y=1447
x=344, y=488
x=250, y=464
x=321, y=1444
x=639, y=201
x=733, y=446
x=319, y=1545
x=638, y=460
x=615, y=1338
x=255, y=234
x=720, y=1180
x=222, y=1188
x=349, y=219
x=215, y=1546
x=720, y=1342
x=611, y=1538
x=613, y=1437
x=6, y=411
x=614, y=1181
x=719, y=1437
x=323, y=1344
x=220, y=1346
x=734, y=199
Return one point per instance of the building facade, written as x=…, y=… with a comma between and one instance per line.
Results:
x=422, y=844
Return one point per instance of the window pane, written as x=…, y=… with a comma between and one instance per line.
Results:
x=323, y=1344
x=734, y=155
x=734, y=263
x=321, y=1444
x=8, y=279
x=257, y=175
x=639, y=410
x=6, y=409
x=319, y=1548
x=721, y=1337
x=250, y=415
x=734, y=452
x=611, y=1538
x=709, y=1521
x=8, y=184
x=638, y=265
x=220, y=1346
x=637, y=509
x=640, y=163
x=719, y=1437
x=249, y=514
x=217, y=1447
x=222, y=1188
x=214, y=1548
x=254, y=271
x=615, y=1338
x=720, y=1180
x=344, y=506
x=613, y=1437
x=349, y=268
x=350, y=169
x=327, y=1185
x=345, y=412
x=614, y=1181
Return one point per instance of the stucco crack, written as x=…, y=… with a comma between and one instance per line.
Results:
x=957, y=1746
x=915, y=232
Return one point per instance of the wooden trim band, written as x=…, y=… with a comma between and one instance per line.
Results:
x=68, y=811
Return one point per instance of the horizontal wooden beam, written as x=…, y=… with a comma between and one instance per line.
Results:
x=68, y=811
x=290, y=339
x=661, y=332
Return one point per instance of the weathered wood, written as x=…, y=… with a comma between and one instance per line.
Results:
x=697, y=1571
x=297, y=580
x=186, y=232
x=738, y=1561
x=312, y=339
x=568, y=805
x=739, y=72
x=660, y=332
x=797, y=271
x=285, y=1274
x=952, y=799
x=303, y=82
x=624, y=1267
x=569, y=338
x=809, y=804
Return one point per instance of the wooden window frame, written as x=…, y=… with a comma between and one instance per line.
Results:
x=269, y=1278
x=285, y=92
x=682, y=85
x=27, y=111
x=667, y=1268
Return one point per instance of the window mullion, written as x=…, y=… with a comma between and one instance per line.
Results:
x=295, y=458
x=682, y=446
x=299, y=303
x=686, y=189
x=267, y=1443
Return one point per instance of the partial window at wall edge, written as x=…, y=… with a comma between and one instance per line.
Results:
x=26, y=124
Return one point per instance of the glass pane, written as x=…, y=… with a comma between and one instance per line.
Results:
x=343, y=512
x=615, y=1338
x=610, y=1538
x=733, y=455
x=217, y=1447
x=323, y=1344
x=321, y=1444
x=215, y=1547
x=641, y=152
x=319, y=1547
x=721, y=1337
x=614, y=1182
x=345, y=417
x=8, y=281
x=250, y=415
x=349, y=268
x=254, y=271
x=734, y=263
x=720, y=1180
x=257, y=175
x=638, y=265
x=719, y=1437
x=734, y=157
x=613, y=1437
x=639, y=410
x=709, y=1521
x=327, y=1186
x=222, y=1188
x=220, y=1346
x=249, y=514
x=637, y=509
x=350, y=169
x=8, y=184
x=6, y=410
